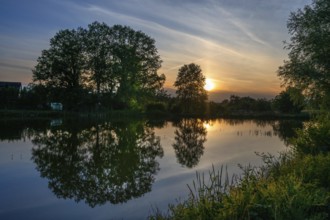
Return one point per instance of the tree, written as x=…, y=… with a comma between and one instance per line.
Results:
x=97, y=42
x=190, y=92
x=60, y=67
x=9, y=97
x=285, y=103
x=308, y=67
x=135, y=66
x=117, y=63
x=33, y=97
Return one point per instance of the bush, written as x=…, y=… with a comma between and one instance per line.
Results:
x=154, y=107
x=314, y=138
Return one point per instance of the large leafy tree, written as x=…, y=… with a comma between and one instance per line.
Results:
x=117, y=62
x=136, y=62
x=286, y=103
x=60, y=67
x=190, y=91
x=97, y=41
x=308, y=67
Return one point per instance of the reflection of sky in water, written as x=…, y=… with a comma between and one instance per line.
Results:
x=25, y=195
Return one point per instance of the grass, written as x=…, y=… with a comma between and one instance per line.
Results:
x=294, y=185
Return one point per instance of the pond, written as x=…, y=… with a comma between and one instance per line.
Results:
x=85, y=169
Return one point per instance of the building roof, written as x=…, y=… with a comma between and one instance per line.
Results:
x=16, y=85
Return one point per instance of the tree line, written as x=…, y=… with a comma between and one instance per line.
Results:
x=102, y=67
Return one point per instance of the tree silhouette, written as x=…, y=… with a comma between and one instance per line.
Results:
x=60, y=67
x=110, y=162
x=190, y=91
x=286, y=130
x=136, y=62
x=308, y=67
x=117, y=63
x=286, y=103
x=190, y=136
x=97, y=41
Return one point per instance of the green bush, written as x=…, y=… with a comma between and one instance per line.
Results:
x=314, y=138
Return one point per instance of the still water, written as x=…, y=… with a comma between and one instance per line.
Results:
x=71, y=169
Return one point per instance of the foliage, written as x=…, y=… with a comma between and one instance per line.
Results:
x=33, y=97
x=136, y=64
x=117, y=64
x=190, y=91
x=286, y=103
x=59, y=69
x=62, y=64
x=97, y=44
x=258, y=194
x=309, y=58
x=9, y=97
x=156, y=107
x=315, y=137
x=246, y=104
x=287, y=129
x=294, y=185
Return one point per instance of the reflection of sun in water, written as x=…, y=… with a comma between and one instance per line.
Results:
x=209, y=85
x=208, y=125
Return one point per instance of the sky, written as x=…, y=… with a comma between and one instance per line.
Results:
x=237, y=43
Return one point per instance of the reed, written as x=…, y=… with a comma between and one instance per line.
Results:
x=293, y=185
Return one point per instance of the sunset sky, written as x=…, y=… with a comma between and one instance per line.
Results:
x=237, y=43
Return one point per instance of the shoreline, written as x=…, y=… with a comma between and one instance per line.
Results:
x=44, y=114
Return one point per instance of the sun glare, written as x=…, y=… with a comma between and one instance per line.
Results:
x=209, y=85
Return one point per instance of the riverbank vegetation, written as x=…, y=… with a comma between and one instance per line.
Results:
x=29, y=103
x=112, y=72
x=294, y=185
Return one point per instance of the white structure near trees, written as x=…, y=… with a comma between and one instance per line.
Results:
x=57, y=106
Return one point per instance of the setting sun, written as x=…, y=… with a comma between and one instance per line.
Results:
x=209, y=85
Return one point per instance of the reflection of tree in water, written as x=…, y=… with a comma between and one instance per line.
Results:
x=286, y=129
x=190, y=136
x=19, y=129
x=259, y=122
x=108, y=162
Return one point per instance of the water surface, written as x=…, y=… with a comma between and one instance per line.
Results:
x=83, y=169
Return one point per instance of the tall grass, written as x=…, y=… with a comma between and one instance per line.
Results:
x=294, y=185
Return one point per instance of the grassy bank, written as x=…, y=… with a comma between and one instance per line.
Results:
x=293, y=186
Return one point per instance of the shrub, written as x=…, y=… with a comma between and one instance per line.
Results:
x=314, y=138
x=158, y=106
